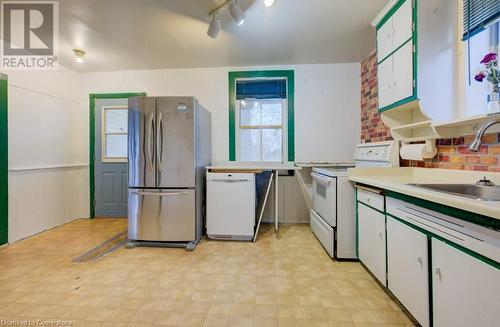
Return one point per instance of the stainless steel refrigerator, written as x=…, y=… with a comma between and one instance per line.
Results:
x=169, y=146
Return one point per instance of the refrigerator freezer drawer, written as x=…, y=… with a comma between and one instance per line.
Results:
x=161, y=215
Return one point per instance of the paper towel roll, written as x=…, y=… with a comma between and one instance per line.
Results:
x=417, y=152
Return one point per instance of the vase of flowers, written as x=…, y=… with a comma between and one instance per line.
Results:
x=490, y=71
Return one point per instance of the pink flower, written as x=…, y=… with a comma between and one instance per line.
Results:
x=489, y=57
x=479, y=76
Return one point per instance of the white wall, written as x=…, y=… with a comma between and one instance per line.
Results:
x=48, y=162
x=327, y=103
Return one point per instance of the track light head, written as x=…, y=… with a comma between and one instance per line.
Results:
x=236, y=12
x=214, y=27
x=268, y=3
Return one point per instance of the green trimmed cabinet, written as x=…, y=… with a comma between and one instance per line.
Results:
x=395, y=53
x=408, y=260
x=417, y=51
x=371, y=233
x=466, y=291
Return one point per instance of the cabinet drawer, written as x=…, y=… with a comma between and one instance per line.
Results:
x=323, y=232
x=372, y=199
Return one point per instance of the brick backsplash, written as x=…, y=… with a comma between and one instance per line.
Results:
x=372, y=128
x=452, y=153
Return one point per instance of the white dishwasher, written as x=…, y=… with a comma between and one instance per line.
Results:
x=230, y=206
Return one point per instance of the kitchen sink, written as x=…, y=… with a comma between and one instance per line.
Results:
x=478, y=192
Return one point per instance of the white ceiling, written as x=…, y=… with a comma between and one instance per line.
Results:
x=149, y=34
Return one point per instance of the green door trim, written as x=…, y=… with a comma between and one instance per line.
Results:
x=92, y=98
x=290, y=76
x=4, y=158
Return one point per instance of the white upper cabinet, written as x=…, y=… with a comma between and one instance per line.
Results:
x=402, y=71
x=384, y=40
x=396, y=31
x=421, y=38
x=402, y=24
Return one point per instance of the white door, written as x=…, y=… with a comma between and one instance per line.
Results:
x=402, y=24
x=384, y=40
x=408, y=269
x=371, y=240
x=402, y=84
x=466, y=291
x=385, y=81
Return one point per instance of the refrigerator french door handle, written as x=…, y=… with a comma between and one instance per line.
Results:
x=150, y=139
x=137, y=192
x=159, y=141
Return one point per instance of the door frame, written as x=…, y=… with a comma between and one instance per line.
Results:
x=92, y=98
x=4, y=158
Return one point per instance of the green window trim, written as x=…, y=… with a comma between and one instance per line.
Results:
x=4, y=156
x=290, y=76
x=92, y=98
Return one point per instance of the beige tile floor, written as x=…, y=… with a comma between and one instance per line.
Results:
x=284, y=279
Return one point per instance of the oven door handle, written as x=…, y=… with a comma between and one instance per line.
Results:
x=322, y=179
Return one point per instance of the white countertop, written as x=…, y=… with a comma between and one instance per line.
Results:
x=238, y=165
x=396, y=180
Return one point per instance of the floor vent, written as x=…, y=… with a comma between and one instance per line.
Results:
x=103, y=249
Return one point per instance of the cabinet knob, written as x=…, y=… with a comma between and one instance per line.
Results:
x=380, y=236
x=420, y=260
x=368, y=200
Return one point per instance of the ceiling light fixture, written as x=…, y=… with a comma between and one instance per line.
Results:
x=268, y=3
x=214, y=27
x=79, y=54
x=236, y=12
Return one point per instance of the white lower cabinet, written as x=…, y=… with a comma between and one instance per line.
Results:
x=408, y=268
x=371, y=240
x=466, y=290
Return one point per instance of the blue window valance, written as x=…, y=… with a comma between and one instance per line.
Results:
x=261, y=89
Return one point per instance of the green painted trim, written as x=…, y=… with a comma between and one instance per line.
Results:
x=356, y=206
x=399, y=103
x=471, y=253
x=4, y=158
x=415, y=48
x=390, y=13
x=429, y=281
x=472, y=217
x=476, y=255
x=369, y=206
x=92, y=98
x=290, y=76
x=393, y=52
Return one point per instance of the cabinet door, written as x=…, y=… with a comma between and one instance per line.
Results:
x=466, y=291
x=384, y=40
x=407, y=268
x=402, y=24
x=371, y=240
x=385, y=82
x=402, y=74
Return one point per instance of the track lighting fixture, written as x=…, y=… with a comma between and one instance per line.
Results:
x=236, y=12
x=79, y=54
x=214, y=27
x=268, y=3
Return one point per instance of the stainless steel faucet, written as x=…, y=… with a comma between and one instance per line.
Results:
x=474, y=145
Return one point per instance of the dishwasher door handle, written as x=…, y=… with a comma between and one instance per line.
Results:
x=230, y=180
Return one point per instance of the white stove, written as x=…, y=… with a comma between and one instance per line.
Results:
x=378, y=154
x=333, y=214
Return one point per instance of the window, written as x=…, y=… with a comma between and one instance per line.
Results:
x=261, y=129
x=480, y=36
x=261, y=116
x=114, y=134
